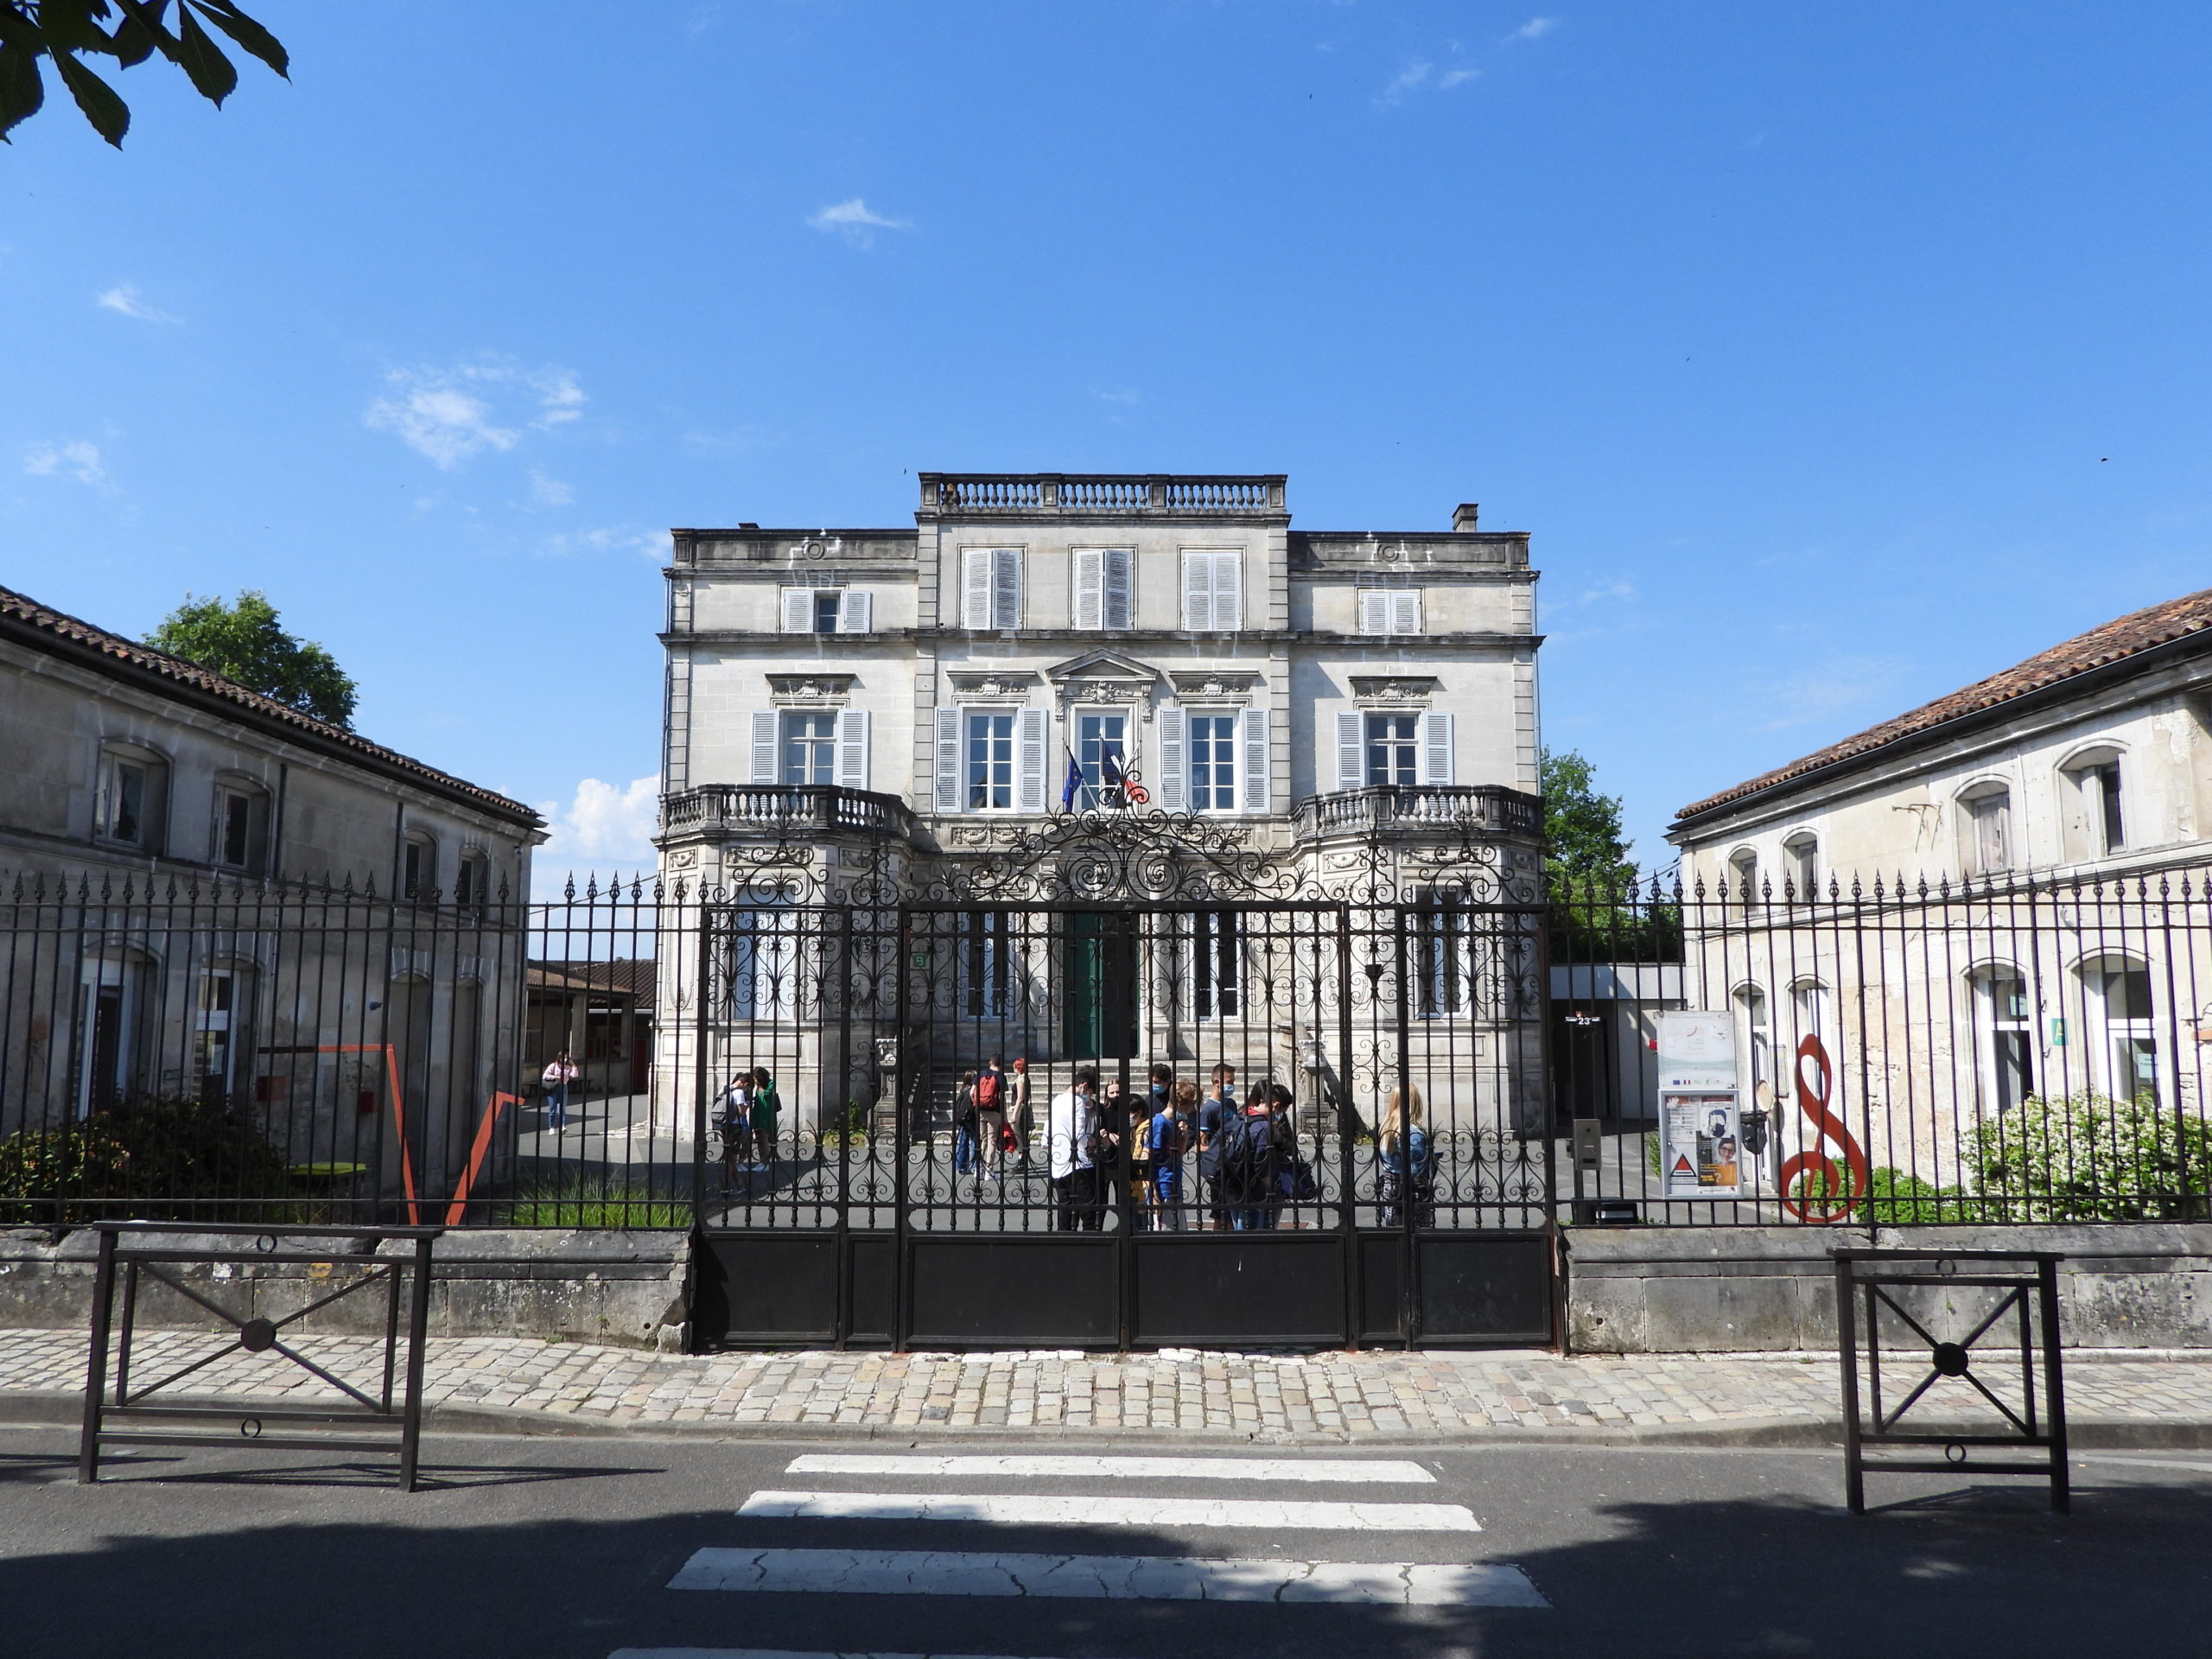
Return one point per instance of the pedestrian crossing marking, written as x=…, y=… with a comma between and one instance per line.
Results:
x=1347, y=1471
x=1110, y=1578
x=1084, y=1510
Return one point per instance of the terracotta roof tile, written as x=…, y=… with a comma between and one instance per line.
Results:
x=2127, y=636
x=58, y=624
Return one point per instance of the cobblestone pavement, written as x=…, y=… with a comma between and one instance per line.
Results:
x=1327, y=1396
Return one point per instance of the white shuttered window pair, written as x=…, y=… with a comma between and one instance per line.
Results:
x=1213, y=762
x=1375, y=749
x=1390, y=610
x=1213, y=591
x=785, y=742
x=990, y=759
x=991, y=588
x=1105, y=586
x=828, y=610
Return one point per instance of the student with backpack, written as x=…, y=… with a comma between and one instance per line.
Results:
x=767, y=1107
x=990, y=1120
x=1165, y=1143
x=1250, y=1159
x=1402, y=1146
x=733, y=1122
x=1218, y=1112
x=963, y=1124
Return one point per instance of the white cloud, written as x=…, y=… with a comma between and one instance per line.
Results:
x=603, y=827
x=1118, y=397
x=448, y=414
x=1452, y=78
x=569, y=543
x=549, y=492
x=855, y=223
x=1410, y=79
x=1535, y=30
x=1620, y=587
x=123, y=298
x=82, y=460
x=1837, y=686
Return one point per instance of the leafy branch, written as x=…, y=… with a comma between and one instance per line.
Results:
x=129, y=32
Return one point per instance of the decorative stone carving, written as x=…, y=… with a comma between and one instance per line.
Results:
x=1381, y=691
x=835, y=690
x=683, y=858
x=1227, y=686
x=994, y=685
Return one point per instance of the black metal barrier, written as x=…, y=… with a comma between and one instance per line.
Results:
x=135, y=1249
x=2025, y=1287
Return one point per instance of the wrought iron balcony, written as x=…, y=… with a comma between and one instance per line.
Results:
x=1030, y=494
x=1420, y=807
x=782, y=809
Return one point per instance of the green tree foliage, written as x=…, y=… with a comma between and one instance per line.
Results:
x=128, y=32
x=2086, y=1157
x=244, y=642
x=1583, y=842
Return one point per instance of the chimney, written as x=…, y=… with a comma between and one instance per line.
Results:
x=1463, y=518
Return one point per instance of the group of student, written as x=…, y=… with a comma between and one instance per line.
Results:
x=746, y=1118
x=990, y=1119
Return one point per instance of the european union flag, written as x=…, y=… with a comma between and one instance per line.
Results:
x=1072, y=787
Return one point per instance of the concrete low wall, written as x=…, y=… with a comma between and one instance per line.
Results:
x=591, y=1286
x=1668, y=1290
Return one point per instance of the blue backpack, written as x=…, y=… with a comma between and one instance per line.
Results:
x=1248, y=1157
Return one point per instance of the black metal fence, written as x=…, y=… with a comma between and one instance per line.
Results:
x=1996, y=1052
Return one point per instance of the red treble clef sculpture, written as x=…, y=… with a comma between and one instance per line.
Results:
x=1839, y=1190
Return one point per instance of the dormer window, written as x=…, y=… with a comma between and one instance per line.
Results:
x=1390, y=610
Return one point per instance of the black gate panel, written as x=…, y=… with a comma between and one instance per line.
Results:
x=1258, y=1287
x=1382, y=1268
x=874, y=1290
x=1001, y=1291
x=1484, y=1289
x=768, y=1289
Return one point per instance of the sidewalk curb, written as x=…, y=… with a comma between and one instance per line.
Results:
x=57, y=1410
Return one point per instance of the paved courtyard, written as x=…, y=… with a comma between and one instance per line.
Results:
x=1260, y=1396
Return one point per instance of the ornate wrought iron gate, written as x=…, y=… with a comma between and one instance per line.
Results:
x=892, y=1209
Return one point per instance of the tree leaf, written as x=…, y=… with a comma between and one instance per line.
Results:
x=22, y=91
x=140, y=32
x=110, y=115
x=211, y=72
x=248, y=34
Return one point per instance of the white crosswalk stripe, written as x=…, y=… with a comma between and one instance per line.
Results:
x=1105, y=1577
x=1344, y=1470
x=1081, y=1509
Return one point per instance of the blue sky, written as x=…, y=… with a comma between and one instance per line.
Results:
x=1835, y=355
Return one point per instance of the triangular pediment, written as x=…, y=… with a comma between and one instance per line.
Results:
x=1103, y=665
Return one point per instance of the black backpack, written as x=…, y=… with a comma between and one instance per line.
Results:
x=1247, y=1159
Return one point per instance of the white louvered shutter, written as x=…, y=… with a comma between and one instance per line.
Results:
x=799, y=610
x=1174, y=769
x=1436, y=749
x=1117, y=606
x=764, y=745
x=948, y=759
x=976, y=588
x=1252, y=758
x=1089, y=588
x=852, y=748
x=1197, y=592
x=1350, y=773
x=1005, y=588
x=1373, y=611
x=1029, y=761
x=1405, y=612
x=855, y=611
x=1228, y=590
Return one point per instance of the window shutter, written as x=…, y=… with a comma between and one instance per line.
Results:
x=852, y=748
x=1374, y=614
x=1228, y=590
x=1174, y=788
x=1005, y=588
x=764, y=745
x=855, y=611
x=1350, y=774
x=1090, y=588
x=1120, y=585
x=948, y=759
x=799, y=610
x=1405, y=612
x=1252, y=751
x=1029, y=761
x=1197, y=592
x=976, y=588
x=1436, y=749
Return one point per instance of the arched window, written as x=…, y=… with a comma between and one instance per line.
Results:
x=1810, y=1016
x=2004, y=1025
x=238, y=839
x=132, y=807
x=1985, y=828
x=2091, y=805
x=418, y=869
x=1743, y=876
x=1800, y=856
x=1758, y=1037
x=2118, y=990
x=470, y=881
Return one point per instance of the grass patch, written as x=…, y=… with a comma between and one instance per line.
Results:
x=579, y=1201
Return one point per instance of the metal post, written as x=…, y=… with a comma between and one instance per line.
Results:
x=88, y=1446
x=2054, y=1384
x=1348, y=1141
x=845, y=1119
x=1847, y=1342
x=418, y=1320
x=1409, y=1257
x=902, y=947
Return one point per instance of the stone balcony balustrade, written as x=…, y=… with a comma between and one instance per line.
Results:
x=1419, y=807
x=718, y=809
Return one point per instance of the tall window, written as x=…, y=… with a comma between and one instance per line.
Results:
x=1390, y=610
x=418, y=869
x=1393, y=749
x=213, y=1033
x=1801, y=861
x=991, y=588
x=1758, y=1038
x=129, y=806
x=2121, y=997
x=1743, y=876
x=1809, y=1003
x=1218, y=964
x=1985, y=829
x=989, y=760
x=1213, y=763
x=241, y=828
x=1213, y=591
x=984, y=964
x=470, y=881
x=1442, y=965
x=1098, y=736
x=826, y=610
x=2096, y=819
x=1105, y=584
x=809, y=750
x=2006, y=1018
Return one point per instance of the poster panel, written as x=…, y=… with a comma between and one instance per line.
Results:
x=1701, y=1124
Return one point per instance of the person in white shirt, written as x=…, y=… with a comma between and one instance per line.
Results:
x=1069, y=1122
x=557, y=1077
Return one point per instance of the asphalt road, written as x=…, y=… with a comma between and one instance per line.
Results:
x=566, y=1550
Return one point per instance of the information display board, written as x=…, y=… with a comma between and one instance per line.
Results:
x=1701, y=1124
